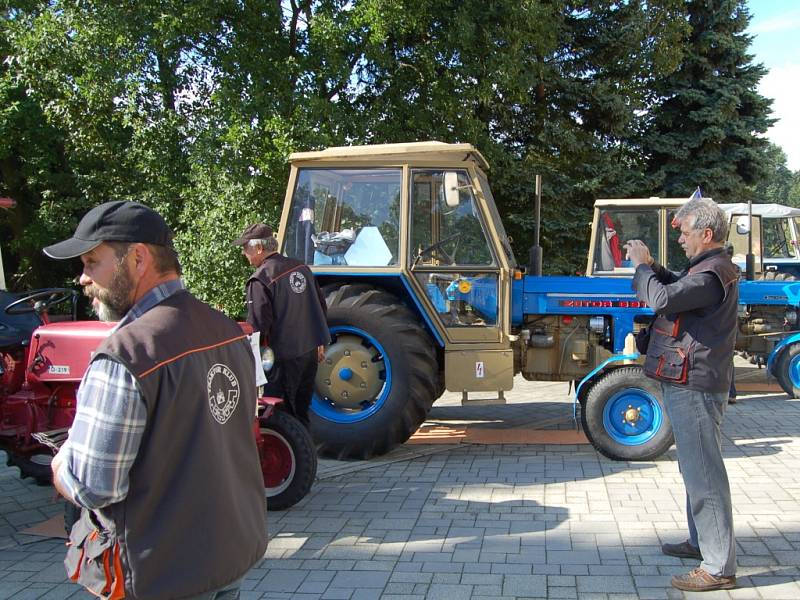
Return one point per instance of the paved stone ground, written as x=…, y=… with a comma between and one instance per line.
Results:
x=492, y=522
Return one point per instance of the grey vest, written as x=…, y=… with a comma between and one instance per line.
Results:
x=299, y=323
x=194, y=519
x=694, y=349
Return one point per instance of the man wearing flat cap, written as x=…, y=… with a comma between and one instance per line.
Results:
x=285, y=304
x=161, y=455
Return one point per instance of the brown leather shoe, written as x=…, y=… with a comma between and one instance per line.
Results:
x=700, y=580
x=682, y=550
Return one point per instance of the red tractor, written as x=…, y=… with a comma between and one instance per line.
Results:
x=42, y=360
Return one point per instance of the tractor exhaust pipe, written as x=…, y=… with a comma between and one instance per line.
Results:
x=750, y=259
x=535, y=252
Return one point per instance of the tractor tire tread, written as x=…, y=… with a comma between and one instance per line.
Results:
x=781, y=370
x=401, y=326
x=305, y=458
x=593, y=404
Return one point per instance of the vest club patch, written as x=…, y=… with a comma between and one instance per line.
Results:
x=297, y=281
x=223, y=392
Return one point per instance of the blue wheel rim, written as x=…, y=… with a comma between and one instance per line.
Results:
x=632, y=417
x=327, y=409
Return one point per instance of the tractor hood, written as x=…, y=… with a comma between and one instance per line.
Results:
x=62, y=351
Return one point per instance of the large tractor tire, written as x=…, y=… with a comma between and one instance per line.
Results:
x=787, y=370
x=624, y=417
x=288, y=460
x=379, y=378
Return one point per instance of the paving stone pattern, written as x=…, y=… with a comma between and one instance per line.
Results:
x=491, y=522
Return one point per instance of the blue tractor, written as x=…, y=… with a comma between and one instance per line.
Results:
x=425, y=294
x=771, y=232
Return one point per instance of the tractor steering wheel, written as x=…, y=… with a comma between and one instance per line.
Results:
x=438, y=246
x=779, y=247
x=41, y=301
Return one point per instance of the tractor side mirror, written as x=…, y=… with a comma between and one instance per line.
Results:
x=742, y=225
x=451, y=193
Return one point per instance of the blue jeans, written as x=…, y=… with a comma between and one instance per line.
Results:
x=696, y=422
x=229, y=592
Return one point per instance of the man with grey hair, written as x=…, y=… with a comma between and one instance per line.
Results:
x=285, y=304
x=690, y=352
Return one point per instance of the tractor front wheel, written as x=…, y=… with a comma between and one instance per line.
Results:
x=787, y=370
x=379, y=378
x=624, y=416
x=288, y=460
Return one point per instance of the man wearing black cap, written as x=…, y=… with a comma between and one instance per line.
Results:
x=161, y=455
x=285, y=304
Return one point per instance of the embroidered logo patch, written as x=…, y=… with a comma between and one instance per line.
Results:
x=297, y=281
x=223, y=392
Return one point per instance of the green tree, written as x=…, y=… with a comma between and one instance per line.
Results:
x=705, y=127
x=35, y=171
x=194, y=107
x=189, y=107
x=548, y=87
x=779, y=180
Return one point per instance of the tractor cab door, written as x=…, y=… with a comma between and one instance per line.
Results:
x=740, y=231
x=454, y=257
x=451, y=256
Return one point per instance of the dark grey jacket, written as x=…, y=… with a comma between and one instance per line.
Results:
x=694, y=332
x=194, y=519
x=285, y=304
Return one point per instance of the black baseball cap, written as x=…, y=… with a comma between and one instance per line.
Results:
x=257, y=231
x=117, y=221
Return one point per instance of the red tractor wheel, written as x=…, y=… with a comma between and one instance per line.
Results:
x=288, y=460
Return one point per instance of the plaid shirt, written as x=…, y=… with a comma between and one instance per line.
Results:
x=110, y=420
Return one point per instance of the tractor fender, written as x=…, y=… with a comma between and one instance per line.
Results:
x=778, y=349
x=396, y=284
x=598, y=370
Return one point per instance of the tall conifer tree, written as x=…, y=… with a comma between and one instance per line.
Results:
x=703, y=128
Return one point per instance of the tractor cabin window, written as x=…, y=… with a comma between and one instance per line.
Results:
x=616, y=227
x=348, y=217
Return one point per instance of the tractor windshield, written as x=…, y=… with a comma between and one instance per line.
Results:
x=778, y=242
x=345, y=217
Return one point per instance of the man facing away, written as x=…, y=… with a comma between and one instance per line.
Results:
x=286, y=305
x=691, y=353
x=161, y=454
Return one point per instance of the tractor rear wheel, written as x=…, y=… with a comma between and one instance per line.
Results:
x=787, y=370
x=379, y=378
x=624, y=416
x=288, y=460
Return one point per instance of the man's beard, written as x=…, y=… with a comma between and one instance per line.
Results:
x=114, y=302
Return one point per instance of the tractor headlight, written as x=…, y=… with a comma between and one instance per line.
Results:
x=791, y=316
x=267, y=359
